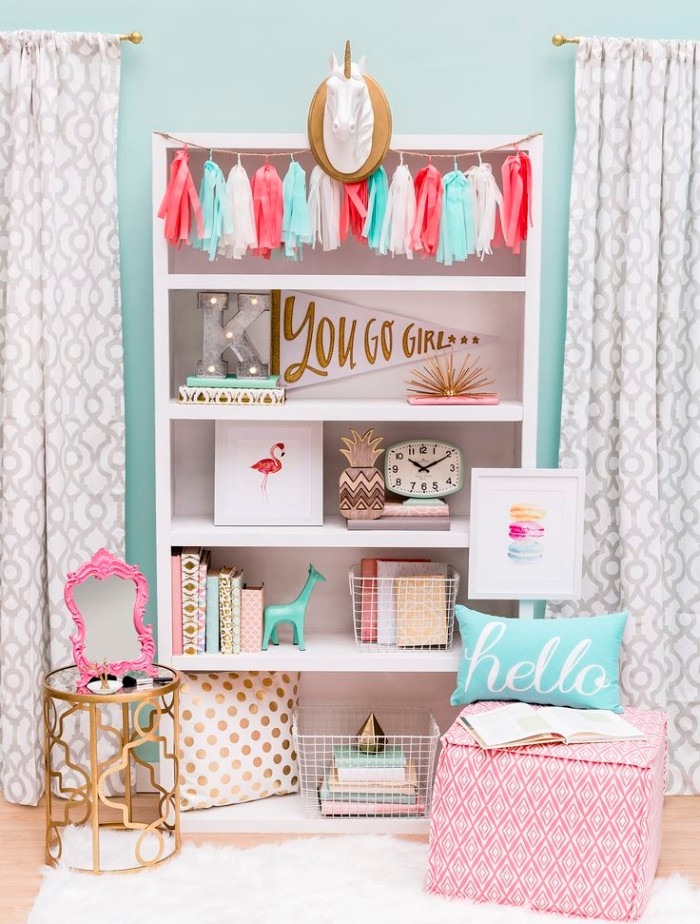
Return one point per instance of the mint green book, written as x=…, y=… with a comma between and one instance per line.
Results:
x=371, y=794
x=212, y=643
x=349, y=756
x=231, y=381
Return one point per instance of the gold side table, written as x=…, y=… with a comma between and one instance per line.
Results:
x=91, y=749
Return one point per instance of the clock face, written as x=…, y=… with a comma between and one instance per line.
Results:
x=423, y=468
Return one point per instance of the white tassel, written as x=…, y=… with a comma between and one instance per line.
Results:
x=240, y=198
x=487, y=202
x=325, y=196
x=400, y=214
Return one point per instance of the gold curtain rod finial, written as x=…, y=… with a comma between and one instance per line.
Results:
x=558, y=40
x=134, y=37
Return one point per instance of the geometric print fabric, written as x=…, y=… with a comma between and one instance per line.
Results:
x=555, y=833
x=630, y=414
x=61, y=381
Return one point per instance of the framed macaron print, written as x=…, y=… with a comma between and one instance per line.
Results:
x=526, y=534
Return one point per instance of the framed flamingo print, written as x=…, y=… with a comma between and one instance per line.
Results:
x=268, y=474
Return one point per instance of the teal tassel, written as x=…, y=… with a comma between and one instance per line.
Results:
x=378, y=197
x=216, y=214
x=296, y=226
x=457, y=229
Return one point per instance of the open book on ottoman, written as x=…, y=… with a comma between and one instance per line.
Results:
x=519, y=724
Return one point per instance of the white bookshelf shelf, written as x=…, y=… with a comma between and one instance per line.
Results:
x=325, y=653
x=285, y=815
x=329, y=409
x=334, y=533
x=213, y=282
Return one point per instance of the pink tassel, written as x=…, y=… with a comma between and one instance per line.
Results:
x=516, y=213
x=268, y=205
x=179, y=195
x=353, y=210
x=425, y=234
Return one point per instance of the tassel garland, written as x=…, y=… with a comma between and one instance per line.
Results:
x=517, y=193
x=400, y=214
x=325, y=195
x=378, y=186
x=425, y=234
x=296, y=227
x=353, y=210
x=242, y=236
x=448, y=217
x=216, y=215
x=268, y=202
x=179, y=196
x=457, y=232
x=488, y=204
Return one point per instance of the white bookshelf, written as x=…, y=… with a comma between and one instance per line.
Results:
x=499, y=295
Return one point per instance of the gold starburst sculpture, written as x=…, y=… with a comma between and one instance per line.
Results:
x=440, y=378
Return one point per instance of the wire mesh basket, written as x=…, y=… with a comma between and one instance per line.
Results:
x=406, y=611
x=340, y=777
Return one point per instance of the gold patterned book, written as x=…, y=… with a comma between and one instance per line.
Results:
x=225, y=611
x=256, y=396
x=421, y=611
x=190, y=599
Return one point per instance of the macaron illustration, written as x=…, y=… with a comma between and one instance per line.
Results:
x=525, y=529
x=528, y=512
x=525, y=551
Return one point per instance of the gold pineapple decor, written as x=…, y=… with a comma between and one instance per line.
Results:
x=361, y=486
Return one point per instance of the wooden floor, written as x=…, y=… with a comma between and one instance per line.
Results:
x=22, y=850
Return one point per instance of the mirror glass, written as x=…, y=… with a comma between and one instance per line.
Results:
x=107, y=607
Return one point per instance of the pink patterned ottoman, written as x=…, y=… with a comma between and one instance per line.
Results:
x=573, y=829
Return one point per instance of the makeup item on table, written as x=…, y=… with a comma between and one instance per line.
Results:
x=129, y=682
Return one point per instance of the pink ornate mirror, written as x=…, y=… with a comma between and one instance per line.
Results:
x=107, y=600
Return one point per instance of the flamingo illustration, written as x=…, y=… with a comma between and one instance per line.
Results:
x=269, y=466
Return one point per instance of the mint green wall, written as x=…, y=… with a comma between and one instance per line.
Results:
x=449, y=66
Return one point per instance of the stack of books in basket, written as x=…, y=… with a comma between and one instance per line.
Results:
x=360, y=783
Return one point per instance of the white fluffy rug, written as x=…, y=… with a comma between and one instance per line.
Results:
x=320, y=880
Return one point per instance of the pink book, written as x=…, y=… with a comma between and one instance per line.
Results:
x=252, y=606
x=176, y=602
x=368, y=623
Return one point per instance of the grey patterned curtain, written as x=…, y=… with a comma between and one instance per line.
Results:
x=631, y=403
x=61, y=378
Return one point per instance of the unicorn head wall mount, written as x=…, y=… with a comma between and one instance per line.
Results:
x=349, y=122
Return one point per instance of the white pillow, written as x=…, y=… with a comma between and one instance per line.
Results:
x=236, y=737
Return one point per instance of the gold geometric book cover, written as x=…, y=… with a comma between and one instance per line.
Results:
x=421, y=611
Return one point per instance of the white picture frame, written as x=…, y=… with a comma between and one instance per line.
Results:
x=526, y=534
x=258, y=484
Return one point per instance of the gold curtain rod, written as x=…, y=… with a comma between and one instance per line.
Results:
x=134, y=37
x=560, y=40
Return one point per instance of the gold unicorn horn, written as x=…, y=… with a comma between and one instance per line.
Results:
x=348, y=59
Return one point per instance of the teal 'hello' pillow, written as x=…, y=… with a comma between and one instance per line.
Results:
x=558, y=662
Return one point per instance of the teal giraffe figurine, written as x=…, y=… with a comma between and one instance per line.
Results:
x=294, y=612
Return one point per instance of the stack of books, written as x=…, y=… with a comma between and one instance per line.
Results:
x=398, y=515
x=213, y=610
x=359, y=783
x=231, y=390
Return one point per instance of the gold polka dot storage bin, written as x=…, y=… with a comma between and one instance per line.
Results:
x=236, y=737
